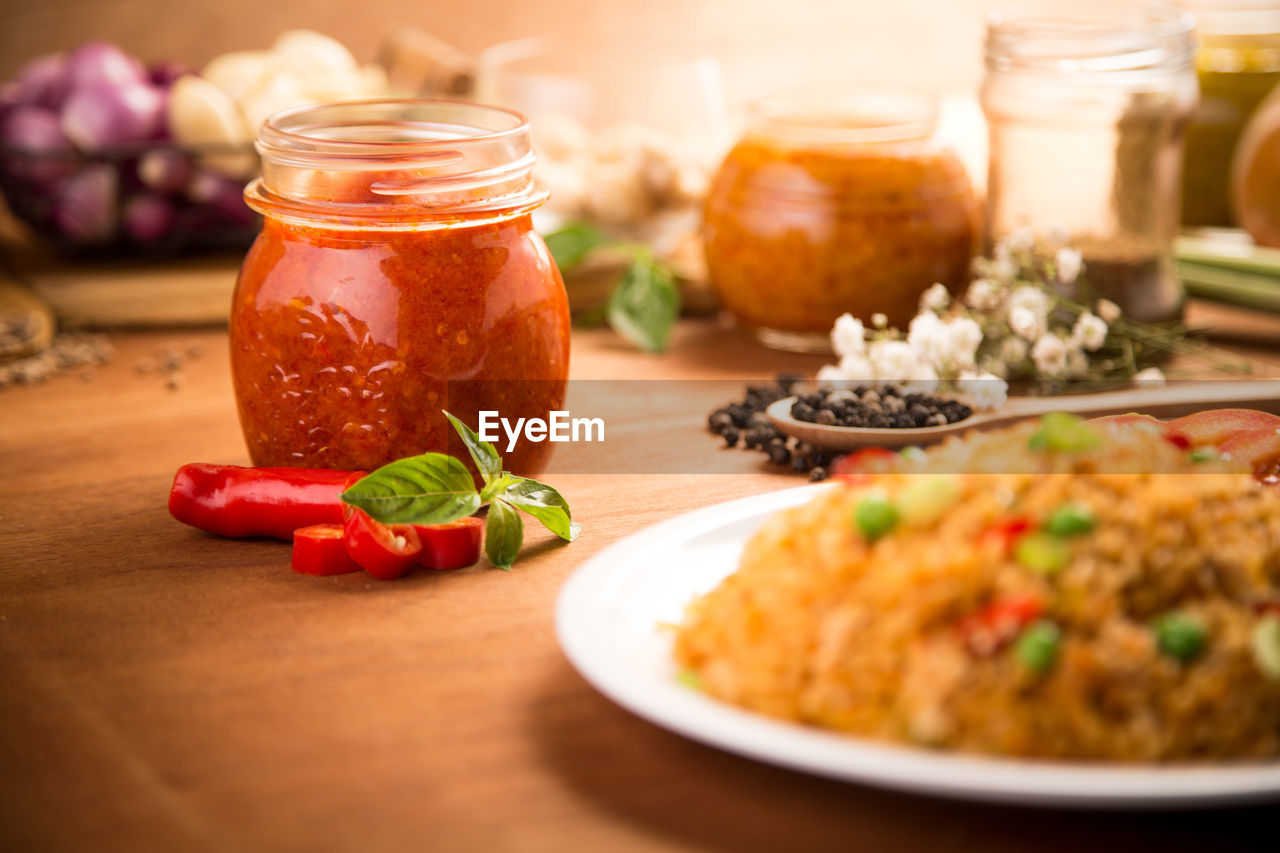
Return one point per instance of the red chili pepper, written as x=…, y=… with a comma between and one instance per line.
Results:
x=451, y=545
x=234, y=501
x=385, y=551
x=999, y=622
x=321, y=549
x=858, y=467
x=1006, y=531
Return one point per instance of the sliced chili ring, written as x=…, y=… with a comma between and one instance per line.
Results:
x=321, y=549
x=452, y=545
x=385, y=551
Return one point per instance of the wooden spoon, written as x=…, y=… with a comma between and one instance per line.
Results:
x=1167, y=401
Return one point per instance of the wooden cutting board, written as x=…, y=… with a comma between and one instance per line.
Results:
x=187, y=292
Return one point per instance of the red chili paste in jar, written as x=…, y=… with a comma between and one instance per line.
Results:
x=349, y=336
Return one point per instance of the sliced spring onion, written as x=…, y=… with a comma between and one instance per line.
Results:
x=1066, y=433
x=1265, y=645
x=1042, y=553
x=690, y=679
x=1204, y=454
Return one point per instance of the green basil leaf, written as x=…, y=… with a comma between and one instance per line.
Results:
x=645, y=304
x=495, y=488
x=570, y=245
x=484, y=454
x=545, y=504
x=503, y=534
x=429, y=489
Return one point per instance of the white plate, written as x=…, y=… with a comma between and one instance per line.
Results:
x=609, y=621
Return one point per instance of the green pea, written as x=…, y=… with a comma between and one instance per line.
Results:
x=1072, y=519
x=1265, y=645
x=1037, y=647
x=1042, y=553
x=1063, y=432
x=875, y=517
x=1180, y=636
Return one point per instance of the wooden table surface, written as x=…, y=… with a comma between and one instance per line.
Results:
x=164, y=689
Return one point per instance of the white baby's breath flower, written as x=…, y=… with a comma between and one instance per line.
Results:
x=1077, y=363
x=1050, y=355
x=892, y=360
x=1002, y=269
x=1020, y=240
x=1090, y=331
x=848, y=337
x=1013, y=350
x=879, y=320
x=936, y=298
x=983, y=295
x=1108, y=311
x=984, y=390
x=927, y=336
x=1024, y=323
x=830, y=373
x=857, y=368
x=922, y=378
x=965, y=335
x=1150, y=376
x=995, y=367
x=1069, y=264
x=1033, y=299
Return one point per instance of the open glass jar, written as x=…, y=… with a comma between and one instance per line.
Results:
x=1087, y=105
x=397, y=274
x=836, y=202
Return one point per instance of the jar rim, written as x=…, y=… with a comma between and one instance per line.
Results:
x=1089, y=38
x=283, y=131
x=403, y=159
x=846, y=113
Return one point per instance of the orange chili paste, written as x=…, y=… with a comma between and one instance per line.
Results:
x=359, y=316
x=803, y=225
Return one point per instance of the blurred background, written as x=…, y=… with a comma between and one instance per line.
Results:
x=126, y=133
x=761, y=44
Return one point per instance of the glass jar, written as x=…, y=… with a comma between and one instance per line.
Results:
x=1238, y=64
x=1087, y=107
x=397, y=274
x=834, y=203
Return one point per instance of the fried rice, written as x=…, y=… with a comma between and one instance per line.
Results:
x=970, y=616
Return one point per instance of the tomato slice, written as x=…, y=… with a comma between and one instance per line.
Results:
x=385, y=551
x=1216, y=426
x=321, y=549
x=451, y=545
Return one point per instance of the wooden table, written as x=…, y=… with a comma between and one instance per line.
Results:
x=164, y=689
